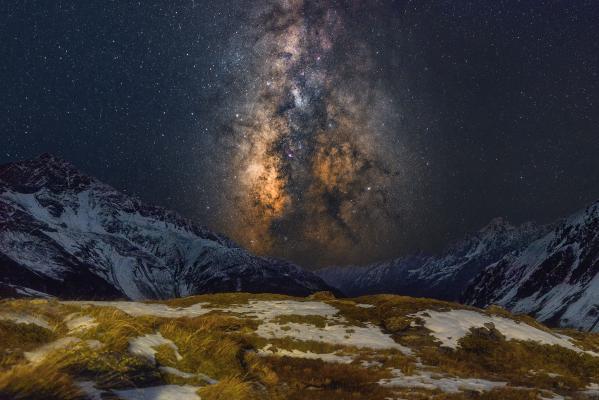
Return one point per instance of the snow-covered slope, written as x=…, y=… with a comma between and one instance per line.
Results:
x=555, y=278
x=65, y=233
x=444, y=276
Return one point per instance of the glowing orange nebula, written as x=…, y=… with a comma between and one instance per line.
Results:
x=311, y=168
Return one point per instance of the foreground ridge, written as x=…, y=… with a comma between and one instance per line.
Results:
x=265, y=346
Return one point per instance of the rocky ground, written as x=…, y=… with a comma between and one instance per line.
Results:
x=251, y=346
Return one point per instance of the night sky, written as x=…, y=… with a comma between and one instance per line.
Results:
x=325, y=132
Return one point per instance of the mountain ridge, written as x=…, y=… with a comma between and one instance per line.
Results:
x=550, y=271
x=441, y=276
x=69, y=234
x=555, y=278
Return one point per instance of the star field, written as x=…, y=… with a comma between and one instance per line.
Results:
x=320, y=131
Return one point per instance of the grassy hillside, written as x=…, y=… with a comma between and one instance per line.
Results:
x=243, y=346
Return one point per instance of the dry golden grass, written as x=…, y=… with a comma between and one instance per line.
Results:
x=316, y=320
x=324, y=380
x=486, y=354
x=223, y=346
x=229, y=388
x=586, y=340
x=51, y=311
x=205, y=349
x=109, y=369
x=223, y=299
x=18, y=338
x=115, y=328
x=496, y=394
x=289, y=343
x=44, y=382
x=502, y=312
x=259, y=368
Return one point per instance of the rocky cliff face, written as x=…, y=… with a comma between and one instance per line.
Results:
x=67, y=234
x=555, y=278
x=550, y=272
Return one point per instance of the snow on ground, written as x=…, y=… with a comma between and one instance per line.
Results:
x=326, y=357
x=336, y=332
x=136, y=309
x=364, y=305
x=430, y=381
x=592, y=389
x=144, y=346
x=25, y=319
x=37, y=355
x=267, y=310
x=90, y=390
x=450, y=326
x=371, y=364
x=93, y=344
x=164, y=392
x=176, y=372
x=187, y=375
x=551, y=396
x=259, y=309
x=79, y=323
x=365, y=337
x=549, y=374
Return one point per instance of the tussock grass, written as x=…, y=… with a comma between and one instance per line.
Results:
x=109, y=369
x=223, y=346
x=288, y=343
x=224, y=299
x=49, y=310
x=115, y=328
x=386, y=307
x=322, y=296
x=15, y=339
x=586, y=340
x=205, y=349
x=230, y=388
x=260, y=368
x=316, y=320
x=44, y=382
x=325, y=380
x=217, y=321
x=495, y=394
x=485, y=353
x=527, y=319
x=165, y=355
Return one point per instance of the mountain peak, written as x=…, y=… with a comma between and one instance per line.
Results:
x=45, y=171
x=66, y=234
x=52, y=162
x=49, y=157
x=497, y=223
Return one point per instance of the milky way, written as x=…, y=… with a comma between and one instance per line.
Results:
x=345, y=131
x=317, y=168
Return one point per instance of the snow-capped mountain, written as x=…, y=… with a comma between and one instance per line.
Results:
x=444, y=276
x=550, y=272
x=64, y=233
x=555, y=278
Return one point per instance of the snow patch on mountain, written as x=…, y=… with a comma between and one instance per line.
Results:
x=64, y=233
x=444, y=276
x=555, y=278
